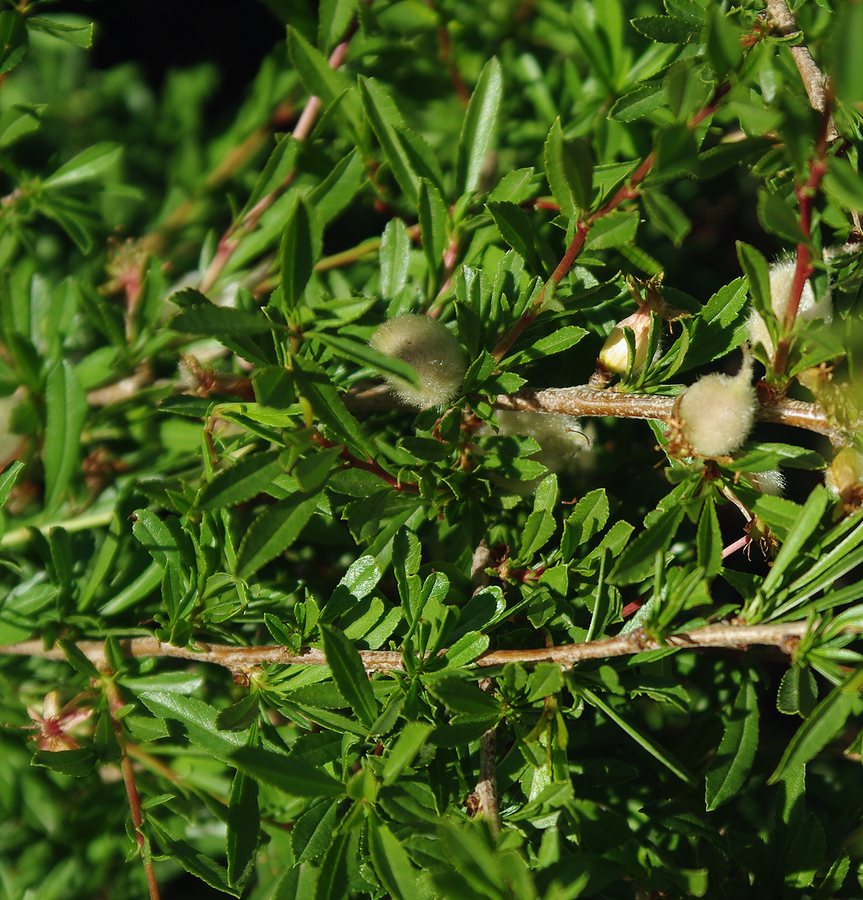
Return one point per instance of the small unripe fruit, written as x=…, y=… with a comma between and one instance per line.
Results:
x=559, y=436
x=770, y=482
x=717, y=412
x=615, y=353
x=781, y=279
x=431, y=349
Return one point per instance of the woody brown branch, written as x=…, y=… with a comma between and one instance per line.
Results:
x=814, y=80
x=244, y=660
x=583, y=400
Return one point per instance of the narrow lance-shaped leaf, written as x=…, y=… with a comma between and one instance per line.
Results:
x=272, y=532
x=736, y=751
x=569, y=170
x=349, y=674
x=66, y=410
x=821, y=726
x=297, y=256
x=478, y=127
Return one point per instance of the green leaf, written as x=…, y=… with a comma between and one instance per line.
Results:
x=349, y=674
x=665, y=29
x=243, y=828
x=516, y=229
x=432, y=215
x=314, y=70
x=755, y=268
x=723, y=42
x=844, y=183
x=391, y=862
x=272, y=532
x=463, y=697
x=478, y=127
x=288, y=774
x=77, y=35
x=394, y=259
x=316, y=387
x=13, y=40
x=337, y=190
x=676, y=152
x=193, y=861
x=811, y=514
x=820, y=727
x=847, y=35
x=364, y=355
x=362, y=577
x=386, y=121
x=709, y=539
x=252, y=475
x=157, y=537
x=641, y=101
x=638, y=559
x=777, y=216
x=296, y=256
x=313, y=831
x=8, y=478
x=198, y=720
x=333, y=877
x=798, y=691
x=334, y=19
x=66, y=411
x=666, y=215
x=199, y=316
x=87, y=165
x=612, y=230
x=558, y=341
x=412, y=738
x=657, y=751
x=736, y=753
x=569, y=170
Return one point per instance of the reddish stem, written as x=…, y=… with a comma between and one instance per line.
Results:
x=803, y=268
x=628, y=191
x=115, y=702
x=229, y=242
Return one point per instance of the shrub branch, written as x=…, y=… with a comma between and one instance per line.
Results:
x=584, y=400
x=243, y=660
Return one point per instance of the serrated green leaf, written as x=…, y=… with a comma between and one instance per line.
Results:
x=273, y=532
x=709, y=539
x=847, y=33
x=198, y=720
x=349, y=674
x=66, y=411
x=243, y=828
x=665, y=29
x=729, y=771
x=569, y=170
x=844, y=183
x=391, y=862
x=77, y=35
x=478, y=127
x=13, y=40
x=287, y=773
x=638, y=559
x=85, y=166
x=412, y=738
x=432, y=215
x=778, y=217
x=820, y=727
x=297, y=256
x=250, y=476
